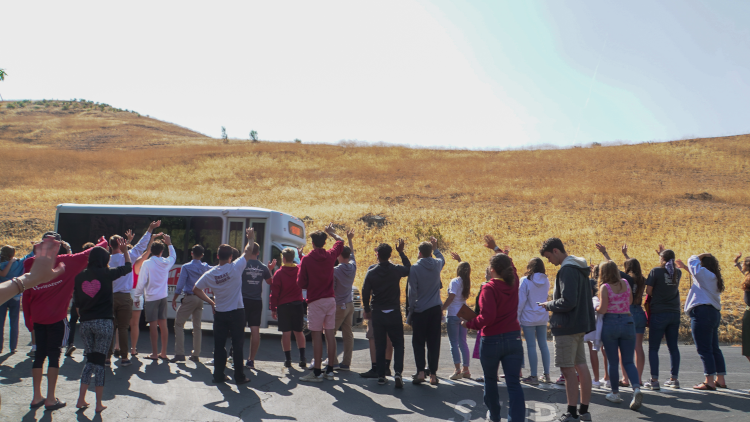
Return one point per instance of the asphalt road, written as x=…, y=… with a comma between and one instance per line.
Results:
x=157, y=391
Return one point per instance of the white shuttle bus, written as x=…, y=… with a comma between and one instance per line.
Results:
x=187, y=226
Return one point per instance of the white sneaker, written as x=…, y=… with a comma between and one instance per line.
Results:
x=672, y=383
x=596, y=384
x=605, y=383
x=327, y=375
x=614, y=397
x=637, y=399
x=310, y=377
x=652, y=385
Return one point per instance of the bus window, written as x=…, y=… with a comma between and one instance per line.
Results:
x=260, y=233
x=78, y=229
x=205, y=231
x=176, y=228
x=236, y=237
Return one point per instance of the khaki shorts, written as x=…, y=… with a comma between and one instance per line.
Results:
x=570, y=351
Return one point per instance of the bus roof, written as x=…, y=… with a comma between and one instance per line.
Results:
x=161, y=209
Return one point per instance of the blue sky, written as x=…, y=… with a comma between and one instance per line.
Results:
x=479, y=74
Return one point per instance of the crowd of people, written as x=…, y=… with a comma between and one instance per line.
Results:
x=600, y=308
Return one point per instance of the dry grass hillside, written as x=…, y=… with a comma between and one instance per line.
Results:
x=690, y=195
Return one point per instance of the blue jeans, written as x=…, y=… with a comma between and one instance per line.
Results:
x=664, y=325
x=618, y=332
x=639, y=318
x=704, y=323
x=505, y=349
x=12, y=307
x=457, y=337
x=533, y=335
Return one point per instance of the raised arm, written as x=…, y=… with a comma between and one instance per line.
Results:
x=42, y=271
x=406, y=268
x=4, y=271
x=603, y=250
x=250, y=235
x=624, y=250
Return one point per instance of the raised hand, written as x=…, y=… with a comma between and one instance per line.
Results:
x=330, y=229
x=400, y=246
x=737, y=258
x=44, y=268
x=167, y=239
x=660, y=250
x=123, y=245
x=456, y=256
x=350, y=234
x=272, y=265
x=601, y=248
x=624, y=250
x=506, y=250
x=153, y=225
x=489, y=242
x=681, y=265
x=433, y=240
x=129, y=235
x=250, y=234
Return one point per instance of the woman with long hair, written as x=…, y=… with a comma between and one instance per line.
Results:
x=534, y=288
x=663, y=288
x=94, y=300
x=458, y=291
x=703, y=305
x=745, y=269
x=618, y=329
x=633, y=268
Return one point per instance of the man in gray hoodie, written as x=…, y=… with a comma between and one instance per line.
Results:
x=425, y=309
x=343, y=279
x=572, y=317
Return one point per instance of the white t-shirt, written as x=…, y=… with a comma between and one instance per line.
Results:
x=456, y=287
x=225, y=281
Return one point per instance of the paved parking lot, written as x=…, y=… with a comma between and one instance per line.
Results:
x=156, y=391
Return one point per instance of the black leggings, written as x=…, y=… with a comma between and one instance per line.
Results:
x=426, y=329
x=49, y=339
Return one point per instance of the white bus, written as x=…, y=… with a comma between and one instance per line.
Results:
x=187, y=226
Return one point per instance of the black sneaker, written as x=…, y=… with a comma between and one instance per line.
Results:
x=288, y=364
x=382, y=381
x=399, y=381
x=369, y=374
x=178, y=358
x=303, y=363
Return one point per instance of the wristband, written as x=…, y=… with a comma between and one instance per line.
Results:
x=497, y=249
x=19, y=284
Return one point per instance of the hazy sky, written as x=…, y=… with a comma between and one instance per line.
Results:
x=468, y=74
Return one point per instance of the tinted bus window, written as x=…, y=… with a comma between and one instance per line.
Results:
x=78, y=229
x=176, y=228
x=205, y=231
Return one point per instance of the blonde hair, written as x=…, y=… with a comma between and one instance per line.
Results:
x=288, y=255
x=7, y=252
x=608, y=273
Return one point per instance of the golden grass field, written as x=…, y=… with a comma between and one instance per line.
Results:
x=639, y=194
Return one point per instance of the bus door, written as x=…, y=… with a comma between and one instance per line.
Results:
x=238, y=240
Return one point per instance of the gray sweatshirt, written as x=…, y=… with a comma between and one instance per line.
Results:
x=343, y=279
x=424, y=283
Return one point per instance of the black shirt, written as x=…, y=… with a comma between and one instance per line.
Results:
x=383, y=282
x=93, y=291
x=665, y=296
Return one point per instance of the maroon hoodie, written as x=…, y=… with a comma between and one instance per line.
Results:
x=498, y=307
x=316, y=272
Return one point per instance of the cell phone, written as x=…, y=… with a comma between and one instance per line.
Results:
x=539, y=303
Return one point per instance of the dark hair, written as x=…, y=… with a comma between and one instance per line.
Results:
x=346, y=252
x=712, y=264
x=54, y=235
x=594, y=288
x=113, y=242
x=157, y=248
x=667, y=255
x=256, y=249
x=225, y=252
x=500, y=263
x=384, y=251
x=235, y=253
x=595, y=273
x=7, y=252
x=535, y=265
x=318, y=238
x=98, y=258
x=633, y=268
x=88, y=245
x=550, y=244
x=288, y=254
x=197, y=250
x=425, y=248
x=464, y=271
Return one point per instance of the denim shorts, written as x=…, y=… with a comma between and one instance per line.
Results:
x=639, y=318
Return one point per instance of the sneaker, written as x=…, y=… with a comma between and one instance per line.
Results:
x=614, y=397
x=342, y=367
x=328, y=375
x=567, y=417
x=369, y=374
x=546, y=379
x=456, y=376
x=250, y=364
x=466, y=374
x=652, y=385
x=178, y=358
x=561, y=381
x=596, y=384
x=195, y=358
x=605, y=383
x=637, y=399
x=672, y=383
x=287, y=364
x=311, y=377
x=69, y=350
x=399, y=381
x=31, y=353
x=230, y=360
x=312, y=363
x=382, y=381
x=530, y=380
x=585, y=417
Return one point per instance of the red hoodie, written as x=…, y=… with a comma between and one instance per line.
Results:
x=48, y=302
x=284, y=288
x=316, y=272
x=498, y=307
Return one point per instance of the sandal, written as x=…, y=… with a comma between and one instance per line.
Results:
x=436, y=381
x=624, y=384
x=704, y=387
x=152, y=357
x=721, y=385
x=58, y=405
x=37, y=404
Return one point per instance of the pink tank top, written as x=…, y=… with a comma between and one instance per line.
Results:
x=618, y=303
